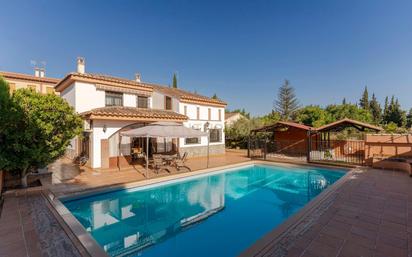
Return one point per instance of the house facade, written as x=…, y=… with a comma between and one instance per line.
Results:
x=110, y=105
x=232, y=117
x=38, y=82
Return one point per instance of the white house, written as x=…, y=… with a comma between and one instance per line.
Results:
x=110, y=105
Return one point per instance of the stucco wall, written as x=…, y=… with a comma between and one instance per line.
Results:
x=388, y=145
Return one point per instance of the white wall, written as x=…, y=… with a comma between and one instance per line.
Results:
x=193, y=122
x=159, y=102
x=129, y=100
x=98, y=134
x=69, y=94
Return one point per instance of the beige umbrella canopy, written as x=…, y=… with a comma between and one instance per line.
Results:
x=162, y=129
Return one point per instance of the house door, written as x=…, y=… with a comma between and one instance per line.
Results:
x=85, y=144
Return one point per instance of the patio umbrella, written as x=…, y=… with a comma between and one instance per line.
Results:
x=162, y=129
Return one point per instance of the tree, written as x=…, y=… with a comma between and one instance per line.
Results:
x=344, y=101
x=174, y=81
x=409, y=119
x=375, y=109
x=364, y=101
x=385, y=108
x=286, y=103
x=312, y=115
x=38, y=132
x=351, y=111
x=394, y=113
x=215, y=96
x=270, y=118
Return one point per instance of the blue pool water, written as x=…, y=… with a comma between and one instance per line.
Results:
x=216, y=215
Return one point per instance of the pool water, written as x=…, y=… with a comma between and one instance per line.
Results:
x=220, y=214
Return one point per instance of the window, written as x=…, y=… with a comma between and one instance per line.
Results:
x=142, y=102
x=12, y=87
x=49, y=90
x=32, y=87
x=185, y=110
x=168, y=103
x=192, y=141
x=215, y=135
x=220, y=114
x=198, y=113
x=209, y=114
x=114, y=99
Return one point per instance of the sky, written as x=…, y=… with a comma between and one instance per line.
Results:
x=240, y=50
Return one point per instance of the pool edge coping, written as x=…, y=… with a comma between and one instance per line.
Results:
x=72, y=226
x=264, y=243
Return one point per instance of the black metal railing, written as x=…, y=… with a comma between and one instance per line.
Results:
x=338, y=151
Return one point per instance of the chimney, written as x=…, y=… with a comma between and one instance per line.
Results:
x=137, y=77
x=81, y=65
x=36, y=72
x=42, y=72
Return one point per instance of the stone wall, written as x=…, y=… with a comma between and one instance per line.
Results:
x=199, y=151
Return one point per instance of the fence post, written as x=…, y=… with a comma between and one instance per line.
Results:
x=248, y=146
x=265, y=149
x=309, y=145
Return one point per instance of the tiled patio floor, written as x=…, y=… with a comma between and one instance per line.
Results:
x=371, y=215
x=75, y=180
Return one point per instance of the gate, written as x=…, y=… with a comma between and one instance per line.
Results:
x=338, y=151
x=264, y=148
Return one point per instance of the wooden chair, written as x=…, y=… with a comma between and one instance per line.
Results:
x=180, y=162
x=159, y=164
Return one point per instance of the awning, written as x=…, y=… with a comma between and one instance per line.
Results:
x=164, y=129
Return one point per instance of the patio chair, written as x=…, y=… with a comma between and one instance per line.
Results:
x=180, y=162
x=159, y=164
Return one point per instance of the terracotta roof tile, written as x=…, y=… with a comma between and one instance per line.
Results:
x=283, y=123
x=132, y=113
x=337, y=125
x=22, y=76
x=181, y=94
x=185, y=95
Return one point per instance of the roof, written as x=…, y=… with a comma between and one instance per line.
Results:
x=344, y=123
x=27, y=77
x=126, y=84
x=101, y=79
x=132, y=113
x=186, y=96
x=229, y=115
x=282, y=124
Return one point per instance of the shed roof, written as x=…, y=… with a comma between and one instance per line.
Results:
x=345, y=123
x=283, y=124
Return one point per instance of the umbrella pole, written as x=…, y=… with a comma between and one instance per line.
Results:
x=118, y=155
x=208, y=143
x=147, y=155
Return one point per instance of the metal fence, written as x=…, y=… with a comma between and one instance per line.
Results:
x=332, y=151
x=338, y=151
x=260, y=148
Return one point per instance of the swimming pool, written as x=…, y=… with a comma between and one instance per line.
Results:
x=220, y=214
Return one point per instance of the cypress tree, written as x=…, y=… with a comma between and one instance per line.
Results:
x=375, y=109
x=174, y=81
x=409, y=119
x=364, y=101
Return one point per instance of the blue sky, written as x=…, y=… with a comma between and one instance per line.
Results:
x=240, y=50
